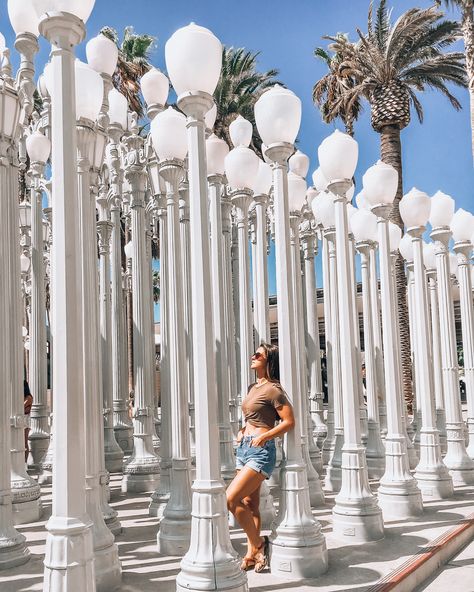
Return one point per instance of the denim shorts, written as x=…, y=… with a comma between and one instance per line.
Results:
x=259, y=458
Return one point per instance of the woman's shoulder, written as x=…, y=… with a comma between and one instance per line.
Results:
x=275, y=388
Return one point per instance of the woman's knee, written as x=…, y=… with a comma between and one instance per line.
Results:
x=232, y=503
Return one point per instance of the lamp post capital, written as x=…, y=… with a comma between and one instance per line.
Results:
x=195, y=104
x=339, y=188
x=416, y=232
x=441, y=235
x=280, y=152
x=62, y=29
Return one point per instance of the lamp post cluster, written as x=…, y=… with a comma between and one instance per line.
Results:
x=71, y=281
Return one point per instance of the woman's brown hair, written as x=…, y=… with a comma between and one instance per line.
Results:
x=273, y=361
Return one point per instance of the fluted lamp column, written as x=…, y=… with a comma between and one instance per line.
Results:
x=298, y=545
x=211, y=562
x=241, y=167
x=141, y=471
x=462, y=226
x=168, y=132
x=356, y=513
x=216, y=151
x=298, y=169
x=399, y=496
x=69, y=560
x=123, y=427
x=296, y=195
x=431, y=473
x=13, y=551
x=323, y=209
x=364, y=228
x=38, y=147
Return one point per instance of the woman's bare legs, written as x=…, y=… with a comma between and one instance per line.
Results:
x=243, y=501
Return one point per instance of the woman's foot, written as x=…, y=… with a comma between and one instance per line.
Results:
x=247, y=563
x=262, y=556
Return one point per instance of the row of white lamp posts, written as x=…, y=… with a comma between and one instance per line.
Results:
x=191, y=186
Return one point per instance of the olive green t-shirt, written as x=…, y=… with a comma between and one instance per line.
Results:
x=261, y=403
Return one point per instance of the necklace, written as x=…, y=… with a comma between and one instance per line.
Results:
x=259, y=384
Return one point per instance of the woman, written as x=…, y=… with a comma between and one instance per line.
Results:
x=264, y=405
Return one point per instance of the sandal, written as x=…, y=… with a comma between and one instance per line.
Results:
x=262, y=558
x=247, y=563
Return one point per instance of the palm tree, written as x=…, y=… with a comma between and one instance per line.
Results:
x=331, y=89
x=133, y=62
x=238, y=89
x=386, y=66
x=467, y=27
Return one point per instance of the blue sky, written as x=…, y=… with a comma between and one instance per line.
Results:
x=436, y=154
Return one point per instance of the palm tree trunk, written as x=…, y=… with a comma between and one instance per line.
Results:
x=467, y=26
x=391, y=153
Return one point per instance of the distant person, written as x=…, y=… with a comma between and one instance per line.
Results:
x=264, y=405
x=27, y=403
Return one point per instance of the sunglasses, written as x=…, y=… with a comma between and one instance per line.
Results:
x=258, y=356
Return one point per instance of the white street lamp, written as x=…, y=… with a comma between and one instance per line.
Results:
x=241, y=167
x=398, y=493
x=429, y=259
x=216, y=152
x=38, y=147
x=356, y=514
x=193, y=60
x=311, y=454
x=168, y=132
x=457, y=460
x=299, y=545
x=364, y=228
x=240, y=131
x=118, y=110
x=62, y=23
x=324, y=211
x=462, y=229
x=155, y=88
x=299, y=164
x=431, y=473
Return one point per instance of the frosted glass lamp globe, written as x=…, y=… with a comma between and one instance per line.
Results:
x=102, y=54
x=155, y=87
x=169, y=135
x=216, y=151
x=363, y=225
x=118, y=109
x=264, y=180
x=299, y=164
x=415, y=208
x=38, y=147
x=380, y=184
x=23, y=17
x=338, y=154
x=278, y=115
x=241, y=168
x=442, y=210
x=240, y=131
x=193, y=59
x=296, y=192
x=80, y=8
x=462, y=225
x=406, y=248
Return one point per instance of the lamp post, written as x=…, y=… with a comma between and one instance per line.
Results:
x=462, y=228
x=309, y=242
x=216, y=151
x=296, y=196
x=13, y=550
x=193, y=59
x=241, y=167
x=459, y=464
x=141, y=471
x=356, y=514
x=168, y=132
x=262, y=188
x=398, y=494
x=38, y=147
x=69, y=547
x=364, y=228
x=123, y=427
x=431, y=473
x=323, y=207
x=298, y=546
x=18, y=107
x=429, y=259
x=395, y=238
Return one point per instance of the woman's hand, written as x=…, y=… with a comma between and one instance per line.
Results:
x=258, y=440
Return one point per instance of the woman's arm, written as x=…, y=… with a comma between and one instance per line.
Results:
x=286, y=424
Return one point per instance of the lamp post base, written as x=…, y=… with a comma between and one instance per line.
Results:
x=69, y=558
x=13, y=550
x=38, y=444
x=160, y=497
x=210, y=563
x=124, y=437
x=431, y=473
x=26, y=501
x=295, y=563
x=356, y=515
